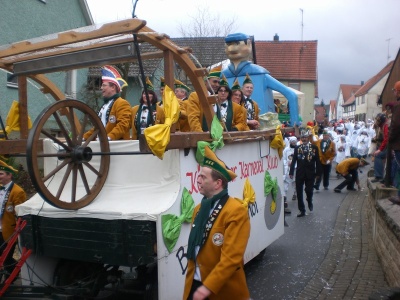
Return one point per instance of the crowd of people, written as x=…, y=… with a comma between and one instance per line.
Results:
x=345, y=144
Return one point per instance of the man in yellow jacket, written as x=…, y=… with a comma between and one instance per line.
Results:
x=327, y=152
x=218, y=239
x=115, y=114
x=11, y=195
x=348, y=168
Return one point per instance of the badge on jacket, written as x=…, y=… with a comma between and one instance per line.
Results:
x=218, y=239
x=10, y=208
x=112, y=119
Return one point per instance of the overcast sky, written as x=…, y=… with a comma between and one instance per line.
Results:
x=353, y=35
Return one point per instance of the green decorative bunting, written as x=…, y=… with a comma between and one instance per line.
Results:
x=270, y=186
x=217, y=143
x=171, y=224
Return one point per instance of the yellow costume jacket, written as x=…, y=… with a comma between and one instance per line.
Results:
x=220, y=259
x=347, y=165
x=160, y=119
x=183, y=118
x=8, y=220
x=329, y=154
x=195, y=115
x=119, y=121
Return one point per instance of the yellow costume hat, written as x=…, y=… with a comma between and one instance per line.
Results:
x=215, y=72
x=247, y=79
x=162, y=82
x=223, y=81
x=149, y=85
x=7, y=168
x=180, y=84
x=236, y=86
x=213, y=162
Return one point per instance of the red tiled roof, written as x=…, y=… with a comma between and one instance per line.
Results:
x=349, y=101
x=373, y=80
x=288, y=60
x=349, y=90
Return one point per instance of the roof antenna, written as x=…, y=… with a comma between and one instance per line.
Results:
x=388, y=56
x=302, y=27
x=134, y=8
x=302, y=24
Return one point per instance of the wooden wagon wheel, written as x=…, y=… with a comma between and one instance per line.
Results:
x=71, y=119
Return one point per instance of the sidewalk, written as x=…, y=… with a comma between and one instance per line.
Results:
x=351, y=269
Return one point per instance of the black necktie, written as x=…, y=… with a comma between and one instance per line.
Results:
x=223, y=104
x=144, y=107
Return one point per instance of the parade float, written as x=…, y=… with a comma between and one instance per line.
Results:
x=115, y=216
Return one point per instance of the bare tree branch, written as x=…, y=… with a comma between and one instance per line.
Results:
x=206, y=24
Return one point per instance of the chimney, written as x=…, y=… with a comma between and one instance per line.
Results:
x=276, y=37
x=362, y=82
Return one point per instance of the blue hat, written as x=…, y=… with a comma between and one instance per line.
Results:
x=236, y=37
x=110, y=74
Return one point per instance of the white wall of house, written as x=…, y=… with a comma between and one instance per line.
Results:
x=349, y=111
x=366, y=104
x=339, y=103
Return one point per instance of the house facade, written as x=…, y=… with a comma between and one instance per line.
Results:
x=294, y=63
x=345, y=104
x=394, y=76
x=367, y=97
x=25, y=20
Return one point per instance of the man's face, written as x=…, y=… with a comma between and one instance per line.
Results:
x=180, y=93
x=397, y=94
x=108, y=90
x=214, y=83
x=207, y=186
x=305, y=139
x=247, y=89
x=238, y=51
x=325, y=137
x=5, y=177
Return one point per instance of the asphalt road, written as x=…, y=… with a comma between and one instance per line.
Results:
x=289, y=263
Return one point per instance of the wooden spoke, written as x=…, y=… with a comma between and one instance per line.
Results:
x=63, y=130
x=50, y=136
x=52, y=173
x=67, y=166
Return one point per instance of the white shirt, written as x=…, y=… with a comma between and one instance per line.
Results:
x=2, y=196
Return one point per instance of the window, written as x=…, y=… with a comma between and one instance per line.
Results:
x=12, y=80
x=363, y=99
x=294, y=85
x=93, y=83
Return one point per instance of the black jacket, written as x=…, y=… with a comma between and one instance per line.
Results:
x=306, y=160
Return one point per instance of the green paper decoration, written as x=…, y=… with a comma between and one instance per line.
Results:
x=217, y=143
x=270, y=186
x=171, y=224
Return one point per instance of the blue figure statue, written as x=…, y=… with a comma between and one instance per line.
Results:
x=238, y=49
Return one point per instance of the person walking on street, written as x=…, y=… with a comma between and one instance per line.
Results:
x=308, y=166
x=348, y=168
x=327, y=152
x=287, y=158
x=218, y=238
x=11, y=194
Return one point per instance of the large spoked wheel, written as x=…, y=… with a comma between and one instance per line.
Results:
x=64, y=173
